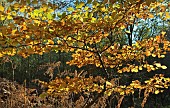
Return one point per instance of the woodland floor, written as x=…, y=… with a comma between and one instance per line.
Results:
x=14, y=95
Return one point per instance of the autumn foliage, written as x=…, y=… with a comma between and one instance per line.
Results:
x=97, y=34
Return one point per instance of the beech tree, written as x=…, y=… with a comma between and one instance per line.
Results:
x=98, y=34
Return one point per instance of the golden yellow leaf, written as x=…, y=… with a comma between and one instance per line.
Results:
x=27, y=36
x=80, y=5
x=109, y=93
x=9, y=17
x=108, y=83
x=134, y=70
x=156, y=91
x=119, y=71
x=1, y=8
x=13, y=13
x=167, y=15
x=157, y=86
x=140, y=67
x=51, y=42
x=2, y=17
x=51, y=30
x=149, y=69
x=103, y=9
x=70, y=9
x=158, y=64
x=128, y=32
x=122, y=93
x=112, y=66
x=37, y=21
x=152, y=68
x=72, y=49
x=137, y=44
x=97, y=64
x=69, y=38
x=22, y=9
x=162, y=56
x=147, y=53
x=112, y=47
x=153, y=55
x=1, y=55
x=122, y=27
x=158, y=39
x=163, y=33
x=150, y=16
x=151, y=49
x=50, y=10
x=163, y=67
x=106, y=34
x=13, y=31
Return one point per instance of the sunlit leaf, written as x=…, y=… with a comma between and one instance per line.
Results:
x=1, y=55
x=80, y=5
x=13, y=13
x=156, y=91
x=134, y=70
x=161, y=56
x=122, y=93
x=153, y=55
x=158, y=64
x=9, y=17
x=167, y=15
x=3, y=17
x=1, y=8
x=22, y=9
x=108, y=83
x=151, y=49
x=148, y=53
x=49, y=16
x=151, y=16
x=122, y=27
x=140, y=67
x=163, y=67
x=70, y=9
x=128, y=32
x=103, y=9
x=50, y=42
x=119, y=71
